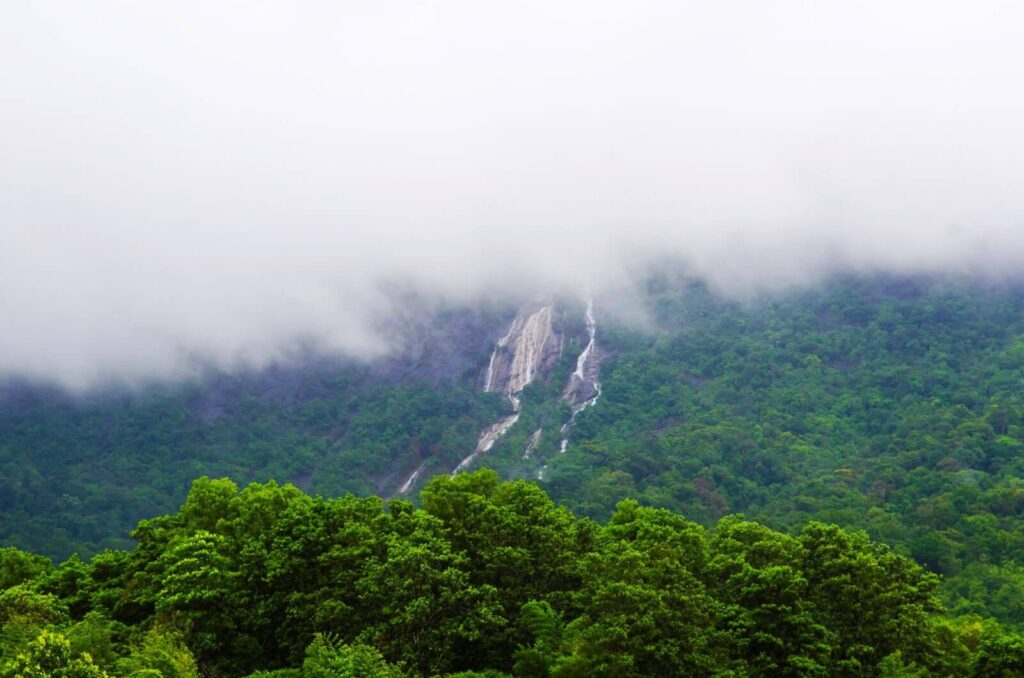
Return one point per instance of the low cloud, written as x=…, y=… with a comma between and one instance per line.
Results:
x=218, y=181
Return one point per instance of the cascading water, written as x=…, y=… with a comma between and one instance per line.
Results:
x=584, y=388
x=529, y=346
x=411, y=480
x=581, y=362
x=490, y=435
x=502, y=343
x=531, y=444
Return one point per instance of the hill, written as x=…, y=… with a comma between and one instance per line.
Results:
x=889, y=405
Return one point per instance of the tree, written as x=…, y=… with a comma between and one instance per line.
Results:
x=17, y=566
x=49, y=656
x=198, y=586
x=757, y=574
x=161, y=652
x=329, y=659
x=1001, y=657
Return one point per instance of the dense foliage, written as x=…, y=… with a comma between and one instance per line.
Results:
x=487, y=579
x=77, y=474
x=892, y=406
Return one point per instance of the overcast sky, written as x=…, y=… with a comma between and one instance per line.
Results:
x=218, y=179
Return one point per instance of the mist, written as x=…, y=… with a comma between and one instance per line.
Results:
x=220, y=181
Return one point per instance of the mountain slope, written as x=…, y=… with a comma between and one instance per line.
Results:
x=891, y=405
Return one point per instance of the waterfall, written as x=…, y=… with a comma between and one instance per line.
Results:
x=581, y=362
x=531, y=445
x=528, y=349
x=517, y=359
x=502, y=343
x=411, y=480
x=584, y=379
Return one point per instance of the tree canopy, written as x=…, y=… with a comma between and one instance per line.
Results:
x=488, y=578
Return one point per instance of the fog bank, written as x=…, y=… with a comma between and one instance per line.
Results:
x=216, y=181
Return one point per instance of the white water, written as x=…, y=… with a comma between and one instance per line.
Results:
x=581, y=362
x=411, y=480
x=575, y=413
x=580, y=375
x=528, y=350
x=531, y=445
x=488, y=437
x=526, y=340
x=502, y=343
x=490, y=372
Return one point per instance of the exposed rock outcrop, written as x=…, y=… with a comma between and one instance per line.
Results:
x=530, y=348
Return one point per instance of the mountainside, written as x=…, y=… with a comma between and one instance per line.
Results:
x=891, y=405
x=77, y=472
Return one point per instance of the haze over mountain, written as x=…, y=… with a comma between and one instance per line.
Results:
x=216, y=182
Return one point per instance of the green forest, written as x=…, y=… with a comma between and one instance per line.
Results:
x=77, y=474
x=890, y=407
x=487, y=579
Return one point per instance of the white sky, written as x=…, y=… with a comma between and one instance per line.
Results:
x=217, y=179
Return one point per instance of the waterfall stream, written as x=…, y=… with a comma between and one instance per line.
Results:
x=411, y=480
x=514, y=363
x=585, y=377
x=532, y=443
x=529, y=347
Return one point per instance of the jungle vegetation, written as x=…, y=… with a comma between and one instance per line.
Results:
x=487, y=579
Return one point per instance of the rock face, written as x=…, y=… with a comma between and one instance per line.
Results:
x=530, y=348
x=433, y=345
